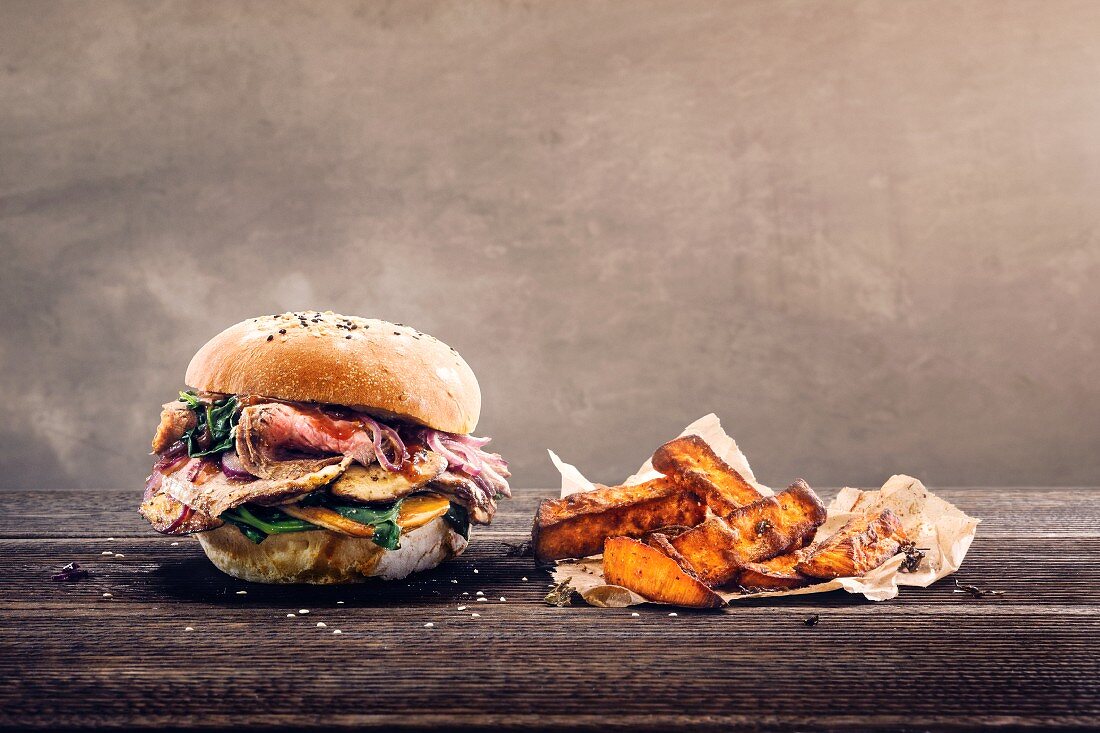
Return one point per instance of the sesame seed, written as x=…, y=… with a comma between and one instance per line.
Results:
x=303, y=611
x=188, y=628
x=110, y=539
x=270, y=337
x=106, y=595
x=475, y=615
x=175, y=544
x=479, y=593
x=475, y=570
x=482, y=600
x=429, y=625
x=465, y=592
x=453, y=580
x=339, y=603
x=337, y=631
x=524, y=578
x=106, y=552
x=462, y=608
x=242, y=593
x=503, y=599
x=674, y=614
x=321, y=625
x=635, y=614
x=290, y=615
x=119, y=554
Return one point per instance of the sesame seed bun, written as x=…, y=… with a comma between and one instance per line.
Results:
x=380, y=367
x=321, y=557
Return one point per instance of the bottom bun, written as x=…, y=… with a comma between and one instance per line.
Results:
x=322, y=557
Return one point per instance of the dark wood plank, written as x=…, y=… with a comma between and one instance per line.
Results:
x=930, y=659
x=760, y=664
x=1053, y=512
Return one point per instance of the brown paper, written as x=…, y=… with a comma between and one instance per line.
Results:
x=938, y=528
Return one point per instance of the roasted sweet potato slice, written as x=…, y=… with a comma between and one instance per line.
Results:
x=691, y=461
x=779, y=523
x=713, y=551
x=663, y=542
x=577, y=525
x=718, y=548
x=654, y=575
x=858, y=547
x=775, y=574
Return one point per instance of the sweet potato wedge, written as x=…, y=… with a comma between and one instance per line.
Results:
x=775, y=574
x=654, y=575
x=858, y=547
x=691, y=461
x=718, y=548
x=663, y=543
x=713, y=550
x=577, y=525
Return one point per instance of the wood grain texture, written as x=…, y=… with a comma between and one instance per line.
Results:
x=931, y=658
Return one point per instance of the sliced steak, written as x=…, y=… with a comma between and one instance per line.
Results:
x=219, y=493
x=267, y=432
x=169, y=516
x=176, y=418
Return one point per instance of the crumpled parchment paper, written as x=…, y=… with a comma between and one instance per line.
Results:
x=938, y=528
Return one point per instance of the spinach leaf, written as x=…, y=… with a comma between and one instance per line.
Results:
x=387, y=533
x=267, y=520
x=215, y=429
x=252, y=534
x=256, y=522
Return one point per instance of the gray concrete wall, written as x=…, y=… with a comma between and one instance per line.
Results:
x=867, y=234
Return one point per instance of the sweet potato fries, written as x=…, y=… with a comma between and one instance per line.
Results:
x=703, y=526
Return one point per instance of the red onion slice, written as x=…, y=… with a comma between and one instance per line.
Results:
x=232, y=467
x=171, y=455
x=377, y=431
x=469, y=440
x=435, y=441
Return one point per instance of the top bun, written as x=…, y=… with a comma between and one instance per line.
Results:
x=376, y=366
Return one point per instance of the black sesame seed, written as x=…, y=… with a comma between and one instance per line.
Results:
x=353, y=327
x=348, y=336
x=282, y=330
x=269, y=338
x=396, y=333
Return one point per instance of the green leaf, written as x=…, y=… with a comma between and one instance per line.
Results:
x=257, y=522
x=218, y=418
x=253, y=535
x=387, y=533
x=267, y=520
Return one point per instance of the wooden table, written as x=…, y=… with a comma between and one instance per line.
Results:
x=932, y=658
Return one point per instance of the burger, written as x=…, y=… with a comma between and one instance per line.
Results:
x=319, y=448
